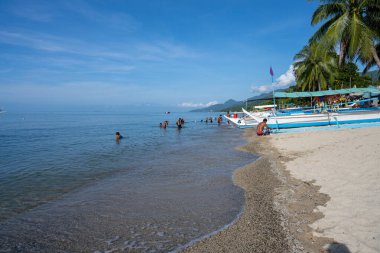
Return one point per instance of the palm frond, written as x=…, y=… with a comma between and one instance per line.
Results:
x=327, y=11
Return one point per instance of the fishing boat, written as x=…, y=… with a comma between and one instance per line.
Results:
x=321, y=119
x=241, y=121
x=318, y=117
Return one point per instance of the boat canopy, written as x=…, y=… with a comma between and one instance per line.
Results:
x=324, y=92
x=264, y=106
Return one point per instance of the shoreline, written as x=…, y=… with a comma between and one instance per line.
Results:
x=278, y=208
x=308, y=192
x=259, y=227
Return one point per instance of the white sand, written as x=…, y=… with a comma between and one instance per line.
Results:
x=346, y=164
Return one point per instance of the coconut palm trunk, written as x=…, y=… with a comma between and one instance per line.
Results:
x=375, y=56
x=341, y=55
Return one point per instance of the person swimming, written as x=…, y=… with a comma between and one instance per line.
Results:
x=118, y=136
x=164, y=124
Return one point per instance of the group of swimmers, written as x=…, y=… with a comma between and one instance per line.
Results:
x=164, y=124
x=179, y=123
x=262, y=128
x=211, y=120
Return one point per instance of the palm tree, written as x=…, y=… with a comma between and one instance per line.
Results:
x=353, y=24
x=314, y=68
x=372, y=63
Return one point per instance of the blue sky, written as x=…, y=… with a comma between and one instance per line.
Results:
x=158, y=53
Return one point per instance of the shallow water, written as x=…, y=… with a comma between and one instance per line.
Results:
x=67, y=186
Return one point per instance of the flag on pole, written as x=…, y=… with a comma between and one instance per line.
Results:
x=272, y=74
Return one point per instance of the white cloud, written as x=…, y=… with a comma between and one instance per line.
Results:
x=194, y=105
x=42, y=42
x=284, y=81
x=287, y=79
x=113, y=19
x=159, y=50
x=146, y=51
x=262, y=88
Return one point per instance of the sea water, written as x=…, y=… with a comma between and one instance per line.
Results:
x=66, y=185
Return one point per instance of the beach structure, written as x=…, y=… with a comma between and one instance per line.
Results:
x=322, y=116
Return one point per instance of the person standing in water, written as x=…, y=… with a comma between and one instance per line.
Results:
x=118, y=137
x=220, y=119
x=179, y=123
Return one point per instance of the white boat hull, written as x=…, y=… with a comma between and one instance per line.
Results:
x=320, y=119
x=242, y=122
x=323, y=119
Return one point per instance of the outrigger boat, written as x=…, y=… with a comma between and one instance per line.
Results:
x=318, y=117
x=241, y=121
x=321, y=119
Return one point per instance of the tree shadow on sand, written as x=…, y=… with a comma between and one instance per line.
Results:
x=336, y=247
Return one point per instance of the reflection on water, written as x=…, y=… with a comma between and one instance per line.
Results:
x=170, y=188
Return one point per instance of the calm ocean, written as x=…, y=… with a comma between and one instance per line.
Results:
x=67, y=186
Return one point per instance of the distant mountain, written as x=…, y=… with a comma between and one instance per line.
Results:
x=264, y=96
x=218, y=107
x=233, y=105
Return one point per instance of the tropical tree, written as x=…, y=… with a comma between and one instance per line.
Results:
x=314, y=69
x=372, y=63
x=351, y=24
x=348, y=76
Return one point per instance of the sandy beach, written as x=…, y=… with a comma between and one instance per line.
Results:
x=309, y=192
x=345, y=164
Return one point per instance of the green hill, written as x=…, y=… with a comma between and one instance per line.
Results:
x=233, y=105
x=218, y=107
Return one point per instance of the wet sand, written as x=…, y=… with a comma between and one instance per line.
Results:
x=278, y=208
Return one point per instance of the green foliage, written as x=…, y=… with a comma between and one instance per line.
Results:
x=351, y=24
x=314, y=69
x=372, y=62
x=348, y=77
x=354, y=25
